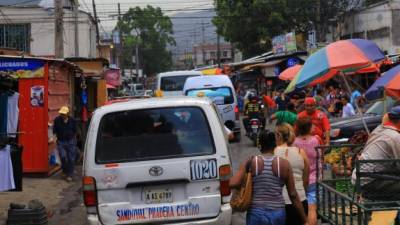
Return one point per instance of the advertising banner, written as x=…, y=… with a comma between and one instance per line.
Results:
x=22, y=68
x=112, y=77
x=284, y=43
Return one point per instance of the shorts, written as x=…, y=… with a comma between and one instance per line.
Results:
x=312, y=194
x=257, y=216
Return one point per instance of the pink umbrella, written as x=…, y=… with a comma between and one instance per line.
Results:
x=290, y=72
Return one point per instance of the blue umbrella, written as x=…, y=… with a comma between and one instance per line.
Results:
x=376, y=90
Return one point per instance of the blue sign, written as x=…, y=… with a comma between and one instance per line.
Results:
x=22, y=68
x=292, y=62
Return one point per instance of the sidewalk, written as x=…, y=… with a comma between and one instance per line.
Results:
x=62, y=199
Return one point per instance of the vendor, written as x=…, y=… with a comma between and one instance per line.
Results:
x=384, y=143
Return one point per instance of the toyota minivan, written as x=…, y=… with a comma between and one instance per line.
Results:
x=157, y=161
x=220, y=89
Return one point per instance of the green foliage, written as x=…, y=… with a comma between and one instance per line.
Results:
x=250, y=24
x=155, y=34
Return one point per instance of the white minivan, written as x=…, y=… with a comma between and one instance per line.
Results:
x=157, y=161
x=171, y=83
x=220, y=89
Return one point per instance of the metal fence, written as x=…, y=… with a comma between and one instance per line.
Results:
x=376, y=188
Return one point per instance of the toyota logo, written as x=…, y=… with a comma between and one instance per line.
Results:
x=156, y=171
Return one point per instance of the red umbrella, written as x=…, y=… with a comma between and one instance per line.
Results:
x=393, y=87
x=290, y=72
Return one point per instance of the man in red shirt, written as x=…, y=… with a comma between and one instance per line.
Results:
x=320, y=121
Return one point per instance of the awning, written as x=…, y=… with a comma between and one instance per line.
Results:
x=263, y=65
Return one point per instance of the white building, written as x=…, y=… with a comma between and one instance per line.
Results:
x=29, y=26
x=378, y=22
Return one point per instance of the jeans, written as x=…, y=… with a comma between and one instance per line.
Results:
x=261, y=216
x=67, y=151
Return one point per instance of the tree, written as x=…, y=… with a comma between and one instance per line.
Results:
x=153, y=33
x=251, y=24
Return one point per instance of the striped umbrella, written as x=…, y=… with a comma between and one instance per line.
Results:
x=339, y=57
x=290, y=72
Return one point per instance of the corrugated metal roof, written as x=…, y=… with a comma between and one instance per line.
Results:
x=20, y=3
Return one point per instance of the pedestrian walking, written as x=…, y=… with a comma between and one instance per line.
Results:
x=270, y=174
x=287, y=116
x=320, y=122
x=298, y=160
x=65, y=130
x=305, y=140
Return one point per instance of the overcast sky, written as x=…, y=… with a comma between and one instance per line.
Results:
x=107, y=9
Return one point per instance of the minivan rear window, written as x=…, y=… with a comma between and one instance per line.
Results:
x=174, y=83
x=220, y=95
x=148, y=134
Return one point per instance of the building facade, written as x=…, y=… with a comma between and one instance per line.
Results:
x=29, y=26
x=206, y=54
x=378, y=22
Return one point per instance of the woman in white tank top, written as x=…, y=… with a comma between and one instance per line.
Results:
x=298, y=160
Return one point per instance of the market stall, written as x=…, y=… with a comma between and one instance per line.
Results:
x=42, y=86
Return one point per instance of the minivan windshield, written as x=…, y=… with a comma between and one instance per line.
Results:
x=174, y=83
x=220, y=95
x=153, y=134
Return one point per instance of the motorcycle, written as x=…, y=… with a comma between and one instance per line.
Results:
x=255, y=128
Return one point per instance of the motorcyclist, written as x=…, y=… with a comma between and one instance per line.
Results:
x=252, y=110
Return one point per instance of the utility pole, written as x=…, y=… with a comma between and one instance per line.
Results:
x=96, y=23
x=318, y=26
x=137, y=58
x=59, y=29
x=203, y=42
x=195, y=48
x=76, y=5
x=120, y=41
x=218, y=51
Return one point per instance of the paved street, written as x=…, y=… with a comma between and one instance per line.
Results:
x=239, y=152
x=64, y=201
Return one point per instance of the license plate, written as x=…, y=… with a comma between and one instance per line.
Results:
x=158, y=196
x=254, y=126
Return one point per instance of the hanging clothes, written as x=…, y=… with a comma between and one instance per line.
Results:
x=12, y=114
x=3, y=113
x=6, y=169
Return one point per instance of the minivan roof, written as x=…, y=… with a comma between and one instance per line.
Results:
x=204, y=81
x=153, y=103
x=181, y=72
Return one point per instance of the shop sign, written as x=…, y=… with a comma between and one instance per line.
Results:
x=112, y=77
x=292, y=62
x=284, y=43
x=290, y=40
x=22, y=68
